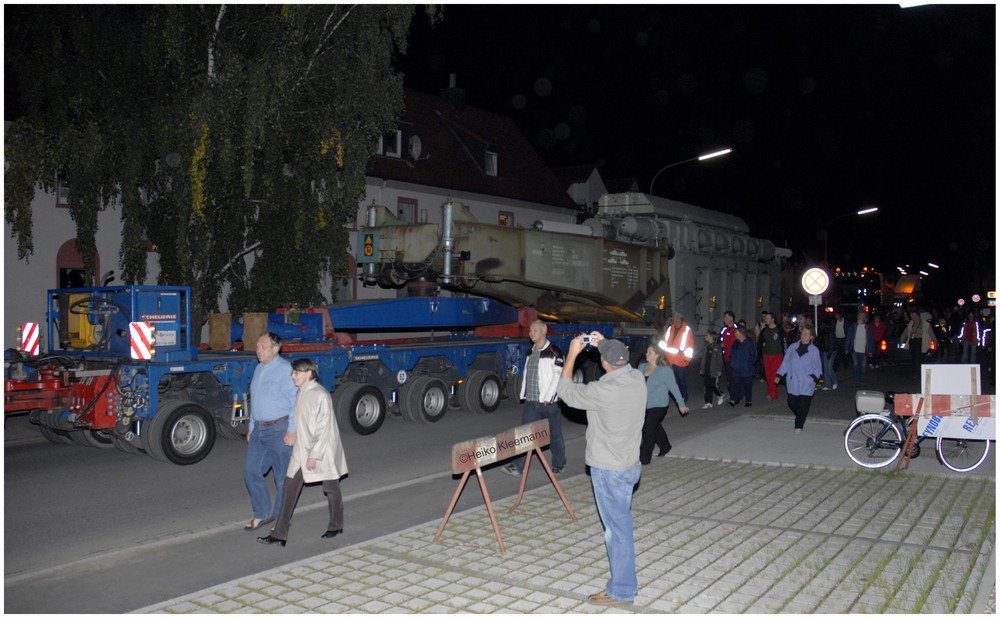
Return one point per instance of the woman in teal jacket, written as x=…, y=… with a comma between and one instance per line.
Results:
x=660, y=385
x=803, y=367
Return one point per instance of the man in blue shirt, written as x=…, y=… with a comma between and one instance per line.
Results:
x=272, y=429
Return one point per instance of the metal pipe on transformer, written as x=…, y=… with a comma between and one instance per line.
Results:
x=447, y=242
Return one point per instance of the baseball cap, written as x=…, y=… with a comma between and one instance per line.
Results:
x=613, y=352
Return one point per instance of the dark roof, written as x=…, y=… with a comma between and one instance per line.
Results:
x=576, y=173
x=454, y=142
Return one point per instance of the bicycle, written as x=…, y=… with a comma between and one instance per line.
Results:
x=875, y=440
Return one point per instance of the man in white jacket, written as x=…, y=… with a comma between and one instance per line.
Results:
x=538, y=391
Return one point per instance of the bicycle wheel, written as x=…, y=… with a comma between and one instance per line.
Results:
x=873, y=441
x=962, y=455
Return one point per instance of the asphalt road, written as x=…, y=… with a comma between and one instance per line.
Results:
x=100, y=531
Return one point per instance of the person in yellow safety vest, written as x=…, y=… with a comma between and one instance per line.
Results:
x=678, y=343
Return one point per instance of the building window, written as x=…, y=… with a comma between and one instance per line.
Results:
x=506, y=219
x=407, y=209
x=491, y=163
x=62, y=193
x=391, y=144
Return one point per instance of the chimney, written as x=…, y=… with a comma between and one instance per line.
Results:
x=454, y=94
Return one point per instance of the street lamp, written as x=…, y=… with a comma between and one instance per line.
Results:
x=826, y=228
x=710, y=155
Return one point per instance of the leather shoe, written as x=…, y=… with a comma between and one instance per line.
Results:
x=664, y=451
x=329, y=534
x=271, y=540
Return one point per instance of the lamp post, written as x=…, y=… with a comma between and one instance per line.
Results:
x=710, y=155
x=826, y=228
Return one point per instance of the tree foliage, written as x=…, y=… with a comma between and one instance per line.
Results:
x=214, y=129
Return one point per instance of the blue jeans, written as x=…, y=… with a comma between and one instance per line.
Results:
x=681, y=376
x=968, y=353
x=536, y=411
x=860, y=360
x=266, y=450
x=613, y=492
x=829, y=373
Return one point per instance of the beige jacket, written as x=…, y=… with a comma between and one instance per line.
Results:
x=317, y=436
x=926, y=333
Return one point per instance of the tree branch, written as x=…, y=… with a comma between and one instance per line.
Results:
x=211, y=45
x=322, y=40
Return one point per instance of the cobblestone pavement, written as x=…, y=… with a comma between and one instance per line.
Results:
x=712, y=536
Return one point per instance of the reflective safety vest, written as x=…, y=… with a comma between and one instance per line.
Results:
x=680, y=345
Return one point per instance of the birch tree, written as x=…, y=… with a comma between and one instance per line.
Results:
x=215, y=130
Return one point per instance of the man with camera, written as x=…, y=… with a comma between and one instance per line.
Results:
x=616, y=409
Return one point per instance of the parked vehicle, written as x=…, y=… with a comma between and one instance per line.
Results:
x=892, y=350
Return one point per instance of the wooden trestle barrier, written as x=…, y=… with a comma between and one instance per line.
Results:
x=473, y=454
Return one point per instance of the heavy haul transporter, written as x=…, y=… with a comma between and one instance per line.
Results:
x=119, y=368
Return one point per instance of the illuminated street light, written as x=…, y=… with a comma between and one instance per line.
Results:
x=826, y=228
x=933, y=265
x=924, y=273
x=703, y=157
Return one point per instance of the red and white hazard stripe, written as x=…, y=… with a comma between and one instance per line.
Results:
x=29, y=338
x=141, y=337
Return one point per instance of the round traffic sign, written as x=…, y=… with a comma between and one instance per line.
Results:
x=815, y=281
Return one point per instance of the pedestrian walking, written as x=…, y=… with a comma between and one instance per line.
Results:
x=317, y=456
x=711, y=369
x=271, y=430
x=802, y=368
x=660, y=385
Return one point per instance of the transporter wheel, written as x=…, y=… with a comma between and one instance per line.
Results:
x=424, y=399
x=125, y=446
x=91, y=438
x=513, y=387
x=55, y=436
x=227, y=430
x=361, y=406
x=181, y=432
x=481, y=392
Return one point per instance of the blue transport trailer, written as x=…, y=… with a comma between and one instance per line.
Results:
x=118, y=368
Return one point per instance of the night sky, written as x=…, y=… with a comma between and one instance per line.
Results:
x=829, y=109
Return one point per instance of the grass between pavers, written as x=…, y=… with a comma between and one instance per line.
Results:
x=710, y=537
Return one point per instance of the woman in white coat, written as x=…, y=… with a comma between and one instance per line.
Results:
x=317, y=456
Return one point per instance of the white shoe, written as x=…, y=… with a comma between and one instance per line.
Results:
x=706, y=406
x=834, y=387
x=826, y=388
x=798, y=430
x=722, y=398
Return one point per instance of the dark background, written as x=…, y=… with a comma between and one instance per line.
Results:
x=828, y=109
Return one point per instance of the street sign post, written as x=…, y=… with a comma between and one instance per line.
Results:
x=815, y=281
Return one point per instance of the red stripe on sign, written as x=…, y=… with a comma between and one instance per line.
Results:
x=140, y=341
x=29, y=338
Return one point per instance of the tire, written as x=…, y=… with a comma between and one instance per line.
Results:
x=227, y=430
x=361, y=406
x=513, y=387
x=123, y=445
x=93, y=439
x=863, y=437
x=481, y=392
x=962, y=455
x=55, y=436
x=181, y=432
x=424, y=399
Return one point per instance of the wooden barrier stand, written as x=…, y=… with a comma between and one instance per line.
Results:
x=473, y=454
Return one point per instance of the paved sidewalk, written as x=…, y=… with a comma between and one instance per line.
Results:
x=762, y=534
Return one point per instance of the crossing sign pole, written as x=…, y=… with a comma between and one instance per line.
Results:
x=815, y=281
